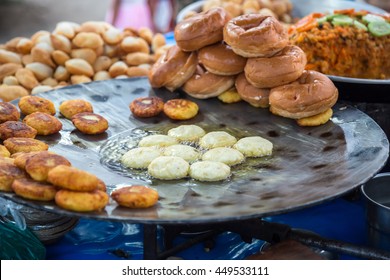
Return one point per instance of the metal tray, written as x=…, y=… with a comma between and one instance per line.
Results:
x=308, y=166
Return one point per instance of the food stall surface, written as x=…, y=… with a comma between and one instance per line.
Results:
x=342, y=219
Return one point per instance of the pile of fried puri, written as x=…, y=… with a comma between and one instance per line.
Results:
x=248, y=58
x=75, y=53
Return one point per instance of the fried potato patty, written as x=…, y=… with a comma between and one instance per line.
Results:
x=4, y=151
x=8, y=173
x=25, y=145
x=20, y=158
x=72, y=178
x=8, y=112
x=43, y=123
x=180, y=109
x=39, y=165
x=146, y=107
x=81, y=201
x=135, y=196
x=34, y=190
x=90, y=123
x=16, y=129
x=31, y=103
x=69, y=108
x=316, y=120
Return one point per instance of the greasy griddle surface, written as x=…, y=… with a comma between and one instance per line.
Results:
x=308, y=165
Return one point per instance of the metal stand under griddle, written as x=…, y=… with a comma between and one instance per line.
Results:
x=248, y=230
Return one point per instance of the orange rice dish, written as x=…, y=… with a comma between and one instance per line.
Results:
x=345, y=43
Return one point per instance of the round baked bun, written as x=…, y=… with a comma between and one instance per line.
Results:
x=257, y=97
x=287, y=66
x=312, y=94
x=255, y=35
x=203, y=84
x=172, y=69
x=201, y=30
x=220, y=59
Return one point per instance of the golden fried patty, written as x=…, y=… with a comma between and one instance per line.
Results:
x=8, y=173
x=90, y=123
x=4, y=151
x=81, y=201
x=180, y=109
x=18, y=144
x=69, y=108
x=32, y=103
x=135, y=196
x=44, y=123
x=20, y=158
x=31, y=189
x=16, y=129
x=146, y=107
x=72, y=178
x=8, y=112
x=39, y=165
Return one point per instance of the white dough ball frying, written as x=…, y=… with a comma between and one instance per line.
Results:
x=189, y=132
x=227, y=156
x=168, y=168
x=188, y=153
x=209, y=171
x=217, y=139
x=254, y=146
x=158, y=140
x=140, y=158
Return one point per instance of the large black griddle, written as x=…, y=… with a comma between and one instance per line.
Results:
x=308, y=166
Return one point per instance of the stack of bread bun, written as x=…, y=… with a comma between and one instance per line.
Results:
x=249, y=54
x=75, y=53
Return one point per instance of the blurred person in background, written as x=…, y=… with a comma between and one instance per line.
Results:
x=158, y=15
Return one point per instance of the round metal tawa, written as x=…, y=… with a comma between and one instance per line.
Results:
x=309, y=165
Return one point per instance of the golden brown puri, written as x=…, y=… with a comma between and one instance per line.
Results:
x=32, y=103
x=18, y=144
x=4, y=151
x=135, y=196
x=39, y=165
x=180, y=109
x=44, y=123
x=16, y=129
x=21, y=158
x=72, y=178
x=81, y=201
x=8, y=173
x=90, y=123
x=72, y=107
x=8, y=112
x=31, y=189
x=146, y=107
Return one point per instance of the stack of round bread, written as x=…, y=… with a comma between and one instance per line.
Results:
x=251, y=53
